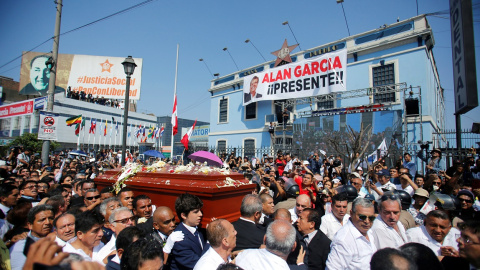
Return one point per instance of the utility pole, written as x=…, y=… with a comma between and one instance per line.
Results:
x=53, y=76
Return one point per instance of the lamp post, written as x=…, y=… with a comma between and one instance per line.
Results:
x=129, y=67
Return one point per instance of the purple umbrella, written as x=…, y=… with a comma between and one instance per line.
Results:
x=210, y=158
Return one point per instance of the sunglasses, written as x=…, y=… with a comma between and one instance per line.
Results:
x=125, y=220
x=31, y=187
x=437, y=183
x=467, y=201
x=93, y=197
x=364, y=218
x=389, y=197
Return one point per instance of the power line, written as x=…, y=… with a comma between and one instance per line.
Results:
x=80, y=27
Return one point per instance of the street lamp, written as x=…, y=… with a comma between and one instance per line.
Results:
x=129, y=67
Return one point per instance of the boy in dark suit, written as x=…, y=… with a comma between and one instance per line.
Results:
x=187, y=252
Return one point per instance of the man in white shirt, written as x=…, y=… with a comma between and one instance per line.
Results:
x=40, y=222
x=303, y=201
x=437, y=234
x=279, y=241
x=383, y=184
x=120, y=219
x=353, y=245
x=88, y=229
x=65, y=228
x=332, y=222
x=387, y=229
x=289, y=166
x=222, y=237
x=9, y=195
x=406, y=183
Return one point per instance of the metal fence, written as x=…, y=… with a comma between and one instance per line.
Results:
x=448, y=138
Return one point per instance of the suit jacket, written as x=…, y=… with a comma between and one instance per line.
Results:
x=155, y=236
x=187, y=252
x=111, y=265
x=247, y=97
x=146, y=227
x=249, y=235
x=317, y=251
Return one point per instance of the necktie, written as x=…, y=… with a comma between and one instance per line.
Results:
x=305, y=239
x=198, y=237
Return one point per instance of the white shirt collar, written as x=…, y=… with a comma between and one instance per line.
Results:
x=190, y=228
x=247, y=220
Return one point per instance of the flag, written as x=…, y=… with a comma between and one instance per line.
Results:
x=83, y=124
x=59, y=173
x=151, y=131
x=129, y=131
x=77, y=129
x=143, y=132
x=137, y=130
x=174, y=117
x=74, y=120
x=116, y=129
x=382, y=150
x=187, y=136
x=105, y=128
x=161, y=131
x=93, y=126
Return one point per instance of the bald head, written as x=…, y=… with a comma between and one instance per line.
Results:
x=164, y=220
x=303, y=201
x=282, y=214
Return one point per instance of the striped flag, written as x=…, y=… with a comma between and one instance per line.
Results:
x=188, y=135
x=93, y=126
x=105, y=128
x=161, y=131
x=74, y=120
x=174, y=117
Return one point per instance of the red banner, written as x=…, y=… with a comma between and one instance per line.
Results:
x=18, y=108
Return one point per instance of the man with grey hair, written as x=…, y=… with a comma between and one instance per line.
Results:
x=353, y=245
x=106, y=209
x=249, y=232
x=279, y=241
x=92, y=198
x=387, y=229
x=120, y=219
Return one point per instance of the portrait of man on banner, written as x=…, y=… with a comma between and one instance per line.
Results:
x=251, y=93
x=39, y=78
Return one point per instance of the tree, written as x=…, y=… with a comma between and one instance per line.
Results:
x=31, y=141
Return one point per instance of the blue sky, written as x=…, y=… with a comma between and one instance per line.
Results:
x=203, y=29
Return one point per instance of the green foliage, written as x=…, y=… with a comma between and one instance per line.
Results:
x=31, y=141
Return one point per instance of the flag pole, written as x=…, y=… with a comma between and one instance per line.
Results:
x=174, y=97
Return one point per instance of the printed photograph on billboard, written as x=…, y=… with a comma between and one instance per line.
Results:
x=100, y=76
x=315, y=134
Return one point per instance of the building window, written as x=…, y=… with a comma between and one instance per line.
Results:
x=223, y=111
x=251, y=111
x=383, y=75
x=249, y=148
x=222, y=146
x=324, y=105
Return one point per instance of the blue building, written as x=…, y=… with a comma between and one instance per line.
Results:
x=385, y=68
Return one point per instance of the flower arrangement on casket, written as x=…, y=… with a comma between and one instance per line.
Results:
x=131, y=169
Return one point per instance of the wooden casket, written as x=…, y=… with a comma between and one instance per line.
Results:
x=221, y=191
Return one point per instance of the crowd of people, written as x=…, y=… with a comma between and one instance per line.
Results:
x=81, y=95
x=302, y=214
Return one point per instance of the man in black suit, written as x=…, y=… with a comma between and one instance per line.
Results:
x=186, y=253
x=316, y=242
x=249, y=233
x=252, y=94
x=163, y=224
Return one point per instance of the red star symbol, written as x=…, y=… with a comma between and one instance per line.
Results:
x=283, y=55
x=106, y=66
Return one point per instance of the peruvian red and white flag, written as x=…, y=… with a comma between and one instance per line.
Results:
x=174, y=117
x=187, y=135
